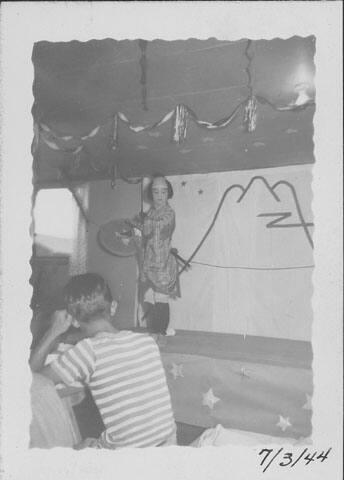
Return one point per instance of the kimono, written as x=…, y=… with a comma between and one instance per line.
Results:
x=159, y=269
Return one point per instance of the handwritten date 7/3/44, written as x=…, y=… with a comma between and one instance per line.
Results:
x=289, y=459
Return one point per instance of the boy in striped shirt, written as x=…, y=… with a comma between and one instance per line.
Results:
x=122, y=369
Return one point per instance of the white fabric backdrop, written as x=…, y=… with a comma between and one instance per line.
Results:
x=245, y=300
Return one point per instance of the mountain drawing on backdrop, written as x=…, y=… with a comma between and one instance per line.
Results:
x=279, y=216
x=277, y=203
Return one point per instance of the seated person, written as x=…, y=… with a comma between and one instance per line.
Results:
x=122, y=369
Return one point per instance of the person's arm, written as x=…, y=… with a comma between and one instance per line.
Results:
x=60, y=323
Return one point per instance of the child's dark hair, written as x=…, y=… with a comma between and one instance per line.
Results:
x=150, y=185
x=87, y=297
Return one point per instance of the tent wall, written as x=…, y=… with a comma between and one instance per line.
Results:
x=106, y=204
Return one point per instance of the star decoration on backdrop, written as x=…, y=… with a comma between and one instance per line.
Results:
x=308, y=404
x=200, y=192
x=283, y=423
x=209, y=399
x=177, y=370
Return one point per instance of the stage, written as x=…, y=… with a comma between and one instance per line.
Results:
x=256, y=384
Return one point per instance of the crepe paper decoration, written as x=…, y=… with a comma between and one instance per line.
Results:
x=250, y=114
x=50, y=144
x=77, y=150
x=209, y=399
x=45, y=127
x=180, y=122
x=293, y=107
x=219, y=124
x=283, y=423
x=181, y=115
x=143, y=65
x=91, y=134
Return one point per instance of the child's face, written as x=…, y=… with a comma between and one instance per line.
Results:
x=159, y=192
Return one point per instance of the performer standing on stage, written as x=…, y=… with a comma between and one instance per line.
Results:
x=158, y=269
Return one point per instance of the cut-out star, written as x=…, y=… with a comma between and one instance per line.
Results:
x=308, y=404
x=209, y=399
x=183, y=183
x=200, y=192
x=177, y=370
x=283, y=423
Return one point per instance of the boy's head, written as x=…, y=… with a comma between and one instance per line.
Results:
x=88, y=298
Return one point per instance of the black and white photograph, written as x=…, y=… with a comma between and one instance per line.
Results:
x=171, y=249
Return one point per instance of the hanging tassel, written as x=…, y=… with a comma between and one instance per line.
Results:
x=143, y=80
x=114, y=173
x=180, y=124
x=77, y=158
x=114, y=145
x=250, y=114
x=114, y=133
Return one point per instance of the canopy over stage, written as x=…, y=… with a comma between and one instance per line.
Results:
x=79, y=89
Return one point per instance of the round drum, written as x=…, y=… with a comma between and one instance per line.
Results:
x=116, y=237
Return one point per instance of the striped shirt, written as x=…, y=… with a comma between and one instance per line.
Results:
x=127, y=380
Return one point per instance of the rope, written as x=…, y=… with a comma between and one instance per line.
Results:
x=244, y=191
x=253, y=268
x=211, y=225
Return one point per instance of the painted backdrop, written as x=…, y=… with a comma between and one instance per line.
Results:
x=253, y=274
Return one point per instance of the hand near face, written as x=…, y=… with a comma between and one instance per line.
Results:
x=61, y=321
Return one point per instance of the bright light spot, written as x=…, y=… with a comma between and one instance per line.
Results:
x=303, y=75
x=54, y=213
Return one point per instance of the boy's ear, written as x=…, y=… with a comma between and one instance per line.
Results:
x=75, y=323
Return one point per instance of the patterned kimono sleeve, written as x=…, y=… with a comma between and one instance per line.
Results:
x=76, y=364
x=164, y=222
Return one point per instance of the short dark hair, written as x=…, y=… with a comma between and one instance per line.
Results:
x=87, y=297
x=150, y=185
